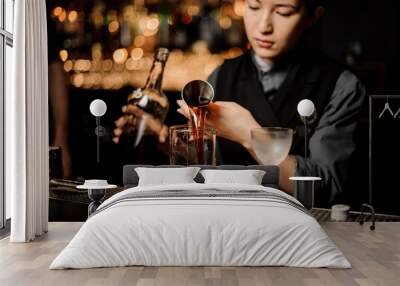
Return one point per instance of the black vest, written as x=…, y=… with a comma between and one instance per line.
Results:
x=311, y=76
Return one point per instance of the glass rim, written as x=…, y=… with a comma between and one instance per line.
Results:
x=177, y=126
x=185, y=128
x=280, y=129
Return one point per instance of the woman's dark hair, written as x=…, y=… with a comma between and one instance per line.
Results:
x=312, y=5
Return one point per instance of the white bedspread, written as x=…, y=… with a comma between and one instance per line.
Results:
x=200, y=231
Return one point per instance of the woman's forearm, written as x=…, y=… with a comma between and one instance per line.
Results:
x=287, y=169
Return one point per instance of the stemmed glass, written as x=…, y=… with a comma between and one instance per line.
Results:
x=271, y=144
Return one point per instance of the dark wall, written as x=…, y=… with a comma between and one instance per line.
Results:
x=374, y=24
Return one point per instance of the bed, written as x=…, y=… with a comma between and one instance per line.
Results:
x=198, y=224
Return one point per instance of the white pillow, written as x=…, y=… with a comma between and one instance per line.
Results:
x=165, y=176
x=248, y=177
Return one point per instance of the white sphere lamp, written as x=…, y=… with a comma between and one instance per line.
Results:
x=304, y=186
x=306, y=108
x=98, y=108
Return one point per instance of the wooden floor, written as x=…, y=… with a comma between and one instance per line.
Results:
x=375, y=257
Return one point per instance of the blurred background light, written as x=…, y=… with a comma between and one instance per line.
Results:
x=63, y=55
x=120, y=56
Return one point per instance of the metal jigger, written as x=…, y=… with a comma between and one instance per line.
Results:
x=197, y=93
x=304, y=186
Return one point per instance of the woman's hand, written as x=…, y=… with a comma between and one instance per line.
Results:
x=231, y=120
x=127, y=124
x=234, y=122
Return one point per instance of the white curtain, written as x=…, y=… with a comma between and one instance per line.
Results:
x=27, y=169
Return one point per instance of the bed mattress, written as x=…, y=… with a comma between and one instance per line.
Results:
x=201, y=225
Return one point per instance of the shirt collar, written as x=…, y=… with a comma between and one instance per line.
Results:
x=261, y=64
x=270, y=75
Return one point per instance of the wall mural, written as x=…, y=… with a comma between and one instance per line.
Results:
x=105, y=50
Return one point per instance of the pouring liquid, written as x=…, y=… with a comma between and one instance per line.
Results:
x=197, y=95
x=197, y=124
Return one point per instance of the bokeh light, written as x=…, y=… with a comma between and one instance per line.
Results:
x=68, y=65
x=139, y=41
x=225, y=22
x=238, y=7
x=113, y=26
x=97, y=53
x=120, y=56
x=57, y=11
x=137, y=54
x=72, y=16
x=63, y=55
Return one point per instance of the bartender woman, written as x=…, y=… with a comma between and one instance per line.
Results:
x=264, y=85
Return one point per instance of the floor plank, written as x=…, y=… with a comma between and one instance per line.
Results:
x=375, y=257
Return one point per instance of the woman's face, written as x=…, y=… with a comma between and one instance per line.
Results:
x=274, y=27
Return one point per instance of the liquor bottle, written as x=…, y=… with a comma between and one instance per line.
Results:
x=151, y=98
